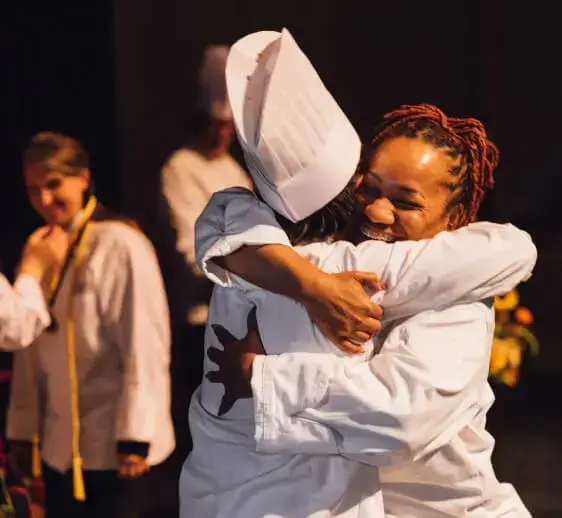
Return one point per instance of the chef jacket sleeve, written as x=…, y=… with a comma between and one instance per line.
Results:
x=135, y=317
x=23, y=313
x=411, y=397
x=475, y=262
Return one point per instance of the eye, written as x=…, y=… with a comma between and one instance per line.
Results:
x=53, y=184
x=406, y=205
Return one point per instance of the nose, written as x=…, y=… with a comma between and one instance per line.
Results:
x=380, y=211
x=45, y=198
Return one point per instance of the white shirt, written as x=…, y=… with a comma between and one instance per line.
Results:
x=188, y=181
x=122, y=358
x=241, y=467
x=23, y=312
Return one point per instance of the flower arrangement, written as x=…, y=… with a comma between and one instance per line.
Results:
x=512, y=338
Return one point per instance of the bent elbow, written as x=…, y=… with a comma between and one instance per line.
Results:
x=525, y=254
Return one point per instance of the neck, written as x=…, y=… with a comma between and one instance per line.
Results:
x=84, y=214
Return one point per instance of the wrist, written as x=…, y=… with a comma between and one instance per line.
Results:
x=311, y=286
x=33, y=268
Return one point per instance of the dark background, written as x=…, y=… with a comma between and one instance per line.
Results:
x=120, y=77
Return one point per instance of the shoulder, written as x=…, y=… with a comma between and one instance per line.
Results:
x=180, y=161
x=229, y=162
x=119, y=237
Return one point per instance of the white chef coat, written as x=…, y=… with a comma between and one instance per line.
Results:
x=417, y=410
x=122, y=357
x=225, y=475
x=188, y=180
x=23, y=312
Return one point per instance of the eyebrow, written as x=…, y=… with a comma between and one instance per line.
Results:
x=403, y=188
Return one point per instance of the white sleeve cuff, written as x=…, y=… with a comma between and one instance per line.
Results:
x=258, y=235
x=233, y=218
x=279, y=395
x=32, y=296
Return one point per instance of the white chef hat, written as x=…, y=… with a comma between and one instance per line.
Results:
x=300, y=148
x=212, y=85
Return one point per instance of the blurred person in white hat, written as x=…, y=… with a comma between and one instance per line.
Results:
x=251, y=459
x=189, y=177
x=23, y=308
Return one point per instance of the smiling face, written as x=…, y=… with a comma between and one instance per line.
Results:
x=57, y=176
x=405, y=193
x=56, y=196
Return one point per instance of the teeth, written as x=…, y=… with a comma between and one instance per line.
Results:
x=377, y=236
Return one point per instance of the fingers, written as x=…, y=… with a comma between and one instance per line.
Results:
x=48, y=231
x=369, y=325
x=365, y=330
x=130, y=468
x=349, y=347
x=38, y=235
x=223, y=335
x=375, y=312
x=368, y=280
x=361, y=336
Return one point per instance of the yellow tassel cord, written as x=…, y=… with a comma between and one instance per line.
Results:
x=78, y=476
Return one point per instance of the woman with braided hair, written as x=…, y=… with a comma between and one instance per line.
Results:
x=464, y=138
x=413, y=413
x=454, y=164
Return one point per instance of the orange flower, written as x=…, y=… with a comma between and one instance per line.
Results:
x=523, y=316
x=505, y=353
x=508, y=301
x=510, y=376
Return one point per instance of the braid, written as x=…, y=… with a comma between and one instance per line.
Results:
x=464, y=137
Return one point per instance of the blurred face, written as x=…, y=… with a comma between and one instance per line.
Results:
x=404, y=193
x=55, y=196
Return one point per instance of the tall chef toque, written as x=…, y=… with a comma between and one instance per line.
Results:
x=299, y=146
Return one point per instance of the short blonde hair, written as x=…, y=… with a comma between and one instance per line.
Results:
x=56, y=151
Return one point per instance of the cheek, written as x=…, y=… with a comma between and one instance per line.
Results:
x=421, y=225
x=36, y=203
x=412, y=221
x=431, y=225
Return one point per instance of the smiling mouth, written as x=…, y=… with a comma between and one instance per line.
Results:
x=374, y=235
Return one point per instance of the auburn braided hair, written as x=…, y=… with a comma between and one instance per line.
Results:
x=464, y=138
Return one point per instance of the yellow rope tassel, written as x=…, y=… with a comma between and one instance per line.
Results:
x=78, y=475
x=78, y=479
x=36, y=458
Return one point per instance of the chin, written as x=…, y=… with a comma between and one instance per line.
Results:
x=60, y=220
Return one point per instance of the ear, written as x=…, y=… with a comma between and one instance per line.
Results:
x=455, y=217
x=85, y=176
